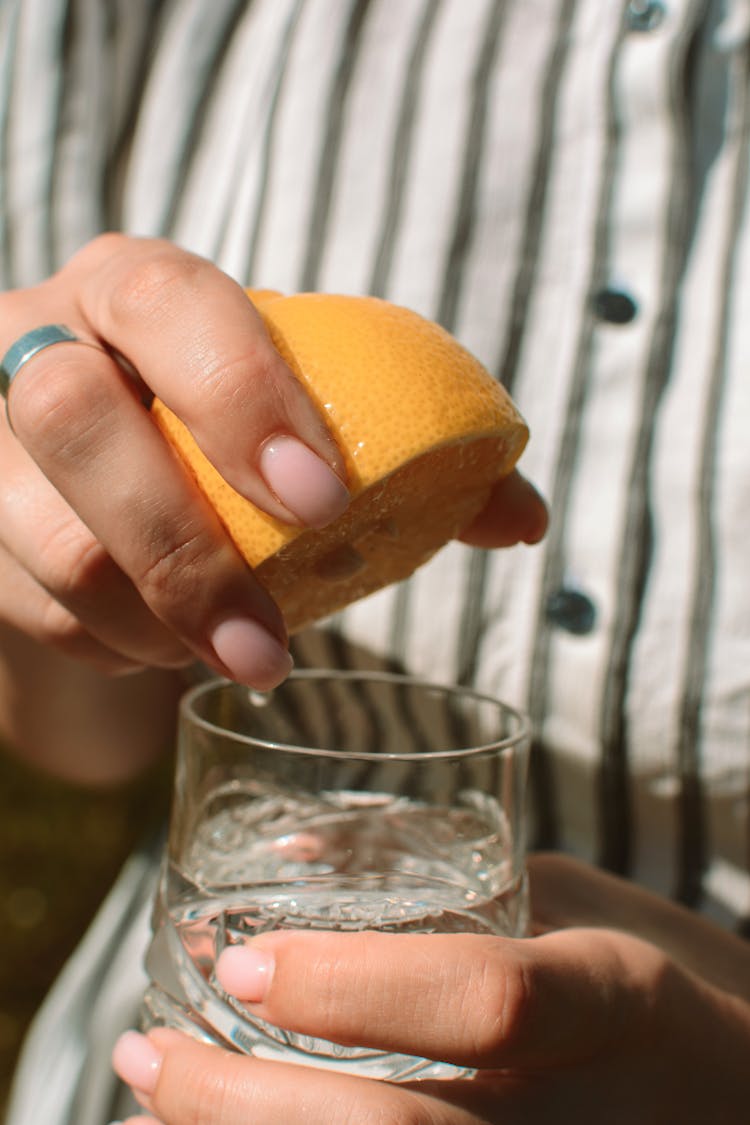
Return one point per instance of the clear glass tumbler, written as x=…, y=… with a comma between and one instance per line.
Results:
x=339, y=801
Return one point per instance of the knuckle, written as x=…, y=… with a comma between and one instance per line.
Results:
x=72, y=561
x=226, y=379
x=160, y=278
x=645, y=976
x=174, y=569
x=81, y=576
x=61, y=409
x=499, y=998
x=43, y=407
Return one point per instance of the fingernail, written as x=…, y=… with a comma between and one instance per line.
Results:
x=140, y=1120
x=303, y=482
x=245, y=972
x=137, y=1062
x=252, y=655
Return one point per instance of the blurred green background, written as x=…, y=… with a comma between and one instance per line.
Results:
x=60, y=850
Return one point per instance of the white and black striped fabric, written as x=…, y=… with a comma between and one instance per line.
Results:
x=564, y=185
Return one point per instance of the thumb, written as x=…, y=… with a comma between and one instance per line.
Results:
x=514, y=513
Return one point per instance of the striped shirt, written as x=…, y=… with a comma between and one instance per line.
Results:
x=562, y=184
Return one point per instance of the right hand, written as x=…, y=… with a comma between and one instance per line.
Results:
x=648, y=1022
x=108, y=552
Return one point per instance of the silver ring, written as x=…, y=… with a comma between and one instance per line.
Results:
x=27, y=346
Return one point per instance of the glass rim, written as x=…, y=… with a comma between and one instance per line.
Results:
x=510, y=742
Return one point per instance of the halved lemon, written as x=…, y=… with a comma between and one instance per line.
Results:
x=424, y=428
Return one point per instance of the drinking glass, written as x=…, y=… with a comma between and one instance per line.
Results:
x=339, y=801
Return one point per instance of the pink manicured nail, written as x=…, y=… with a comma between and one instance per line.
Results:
x=303, y=482
x=137, y=1062
x=140, y=1120
x=245, y=972
x=252, y=654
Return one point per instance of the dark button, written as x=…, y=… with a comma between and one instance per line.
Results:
x=571, y=610
x=645, y=15
x=615, y=306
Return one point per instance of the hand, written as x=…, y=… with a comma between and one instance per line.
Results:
x=581, y=1024
x=107, y=551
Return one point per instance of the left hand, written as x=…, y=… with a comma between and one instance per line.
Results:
x=582, y=1024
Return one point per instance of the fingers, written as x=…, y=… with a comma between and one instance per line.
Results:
x=466, y=999
x=182, y=1082
x=559, y=1026
x=120, y=537
x=146, y=569
x=26, y=607
x=125, y=543
x=120, y=478
x=515, y=513
x=198, y=343
x=76, y=590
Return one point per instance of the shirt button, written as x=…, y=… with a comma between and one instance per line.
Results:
x=645, y=15
x=615, y=306
x=571, y=610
